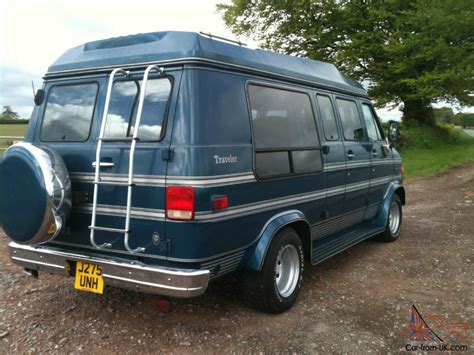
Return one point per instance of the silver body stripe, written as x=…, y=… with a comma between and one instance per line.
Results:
x=241, y=210
x=210, y=181
x=160, y=181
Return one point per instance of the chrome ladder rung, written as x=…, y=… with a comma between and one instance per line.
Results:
x=107, y=229
x=118, y=139
x=111, y=183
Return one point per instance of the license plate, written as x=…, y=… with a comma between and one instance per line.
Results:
x=89, y=277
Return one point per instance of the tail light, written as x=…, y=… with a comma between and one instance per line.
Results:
x=180, y=203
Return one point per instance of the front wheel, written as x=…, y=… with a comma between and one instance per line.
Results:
x=394, y=221
x=275, y=288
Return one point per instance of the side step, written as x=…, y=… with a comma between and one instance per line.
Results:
x=329, y=246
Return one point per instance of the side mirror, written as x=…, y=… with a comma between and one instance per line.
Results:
x=393, y=131
x=39, y=97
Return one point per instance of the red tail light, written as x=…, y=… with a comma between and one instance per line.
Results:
x=220, y=203
x=180, y=203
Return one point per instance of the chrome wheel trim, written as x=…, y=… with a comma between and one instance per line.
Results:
x=394, y=218
x=287, y=270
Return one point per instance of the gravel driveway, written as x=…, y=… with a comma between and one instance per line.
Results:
x=358, y=301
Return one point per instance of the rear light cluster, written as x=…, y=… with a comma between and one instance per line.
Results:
x=181, y=206
x=180, y=203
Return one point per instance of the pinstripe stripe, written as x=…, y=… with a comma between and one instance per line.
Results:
x=240, y=210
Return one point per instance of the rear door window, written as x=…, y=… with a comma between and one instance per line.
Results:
x=68, y=113
x=122, y=113
x=286, y=139
x=350, y=119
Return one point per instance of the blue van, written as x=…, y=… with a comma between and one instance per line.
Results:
x=159, y=162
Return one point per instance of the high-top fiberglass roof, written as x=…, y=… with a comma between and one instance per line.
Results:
x=188, y=46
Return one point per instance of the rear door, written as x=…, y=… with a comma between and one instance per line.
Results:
x=148, y=193
x=68, y=111
x=357, y=156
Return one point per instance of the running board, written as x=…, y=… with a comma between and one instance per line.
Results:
x=326, y=247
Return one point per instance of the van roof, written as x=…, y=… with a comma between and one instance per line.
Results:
x=175, y=46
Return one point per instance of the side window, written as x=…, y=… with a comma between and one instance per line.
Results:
x=373, y=129
x=286, y=140
x=350, y=120
x=329, y=120
x=123, y=108
x=68, y=113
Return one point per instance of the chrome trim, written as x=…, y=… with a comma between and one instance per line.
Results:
x=58, y=189
x=103, y=164
x=181, y=283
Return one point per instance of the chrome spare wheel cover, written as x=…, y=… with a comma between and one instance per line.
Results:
x=287, y=270
x=394, y=218
x=56, y=184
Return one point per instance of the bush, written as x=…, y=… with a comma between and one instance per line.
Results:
x=13, y=121
x=466, y=119
x=427, y=137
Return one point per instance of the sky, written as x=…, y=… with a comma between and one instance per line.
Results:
x=34, y=33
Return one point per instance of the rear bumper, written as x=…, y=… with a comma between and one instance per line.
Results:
x=116, y=272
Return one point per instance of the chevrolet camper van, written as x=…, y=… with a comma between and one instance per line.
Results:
x=160, y=162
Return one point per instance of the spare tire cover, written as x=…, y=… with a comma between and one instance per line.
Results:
x=35, y=193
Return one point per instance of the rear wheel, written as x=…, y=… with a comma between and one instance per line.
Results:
x=394, y=221
x=275, y=288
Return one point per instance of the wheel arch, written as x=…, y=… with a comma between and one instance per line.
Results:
x=395, y=188
x=294, y=219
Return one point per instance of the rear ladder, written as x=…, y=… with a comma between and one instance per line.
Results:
x=98, y=164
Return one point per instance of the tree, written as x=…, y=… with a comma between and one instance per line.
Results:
x=411, y=53
x=9, y=114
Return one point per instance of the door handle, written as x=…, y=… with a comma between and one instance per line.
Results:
x=350, y=155
x=103, y=164
x=374, y=154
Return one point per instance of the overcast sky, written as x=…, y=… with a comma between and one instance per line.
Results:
x=34, y=33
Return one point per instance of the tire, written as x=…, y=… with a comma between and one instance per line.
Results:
x=275, y=288
x=394, y=222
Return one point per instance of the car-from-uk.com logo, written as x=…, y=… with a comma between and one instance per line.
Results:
x=432, y=333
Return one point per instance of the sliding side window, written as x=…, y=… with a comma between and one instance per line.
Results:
x=286, y=140
x=328, y=118
x=122, y=113
x=350, y=119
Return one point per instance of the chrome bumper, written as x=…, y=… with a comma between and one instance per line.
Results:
x=116, y=272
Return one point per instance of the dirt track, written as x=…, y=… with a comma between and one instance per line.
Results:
x=358, y=301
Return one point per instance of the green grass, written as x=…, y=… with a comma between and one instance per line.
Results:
x=430, y=150
x=10, y=130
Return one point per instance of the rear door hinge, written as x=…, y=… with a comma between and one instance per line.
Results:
x=167, y=154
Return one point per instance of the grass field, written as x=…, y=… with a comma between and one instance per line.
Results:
x=431, y=150
x=10, y=130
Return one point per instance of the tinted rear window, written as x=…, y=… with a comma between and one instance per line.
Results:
x=124, y=104
x=68, y=113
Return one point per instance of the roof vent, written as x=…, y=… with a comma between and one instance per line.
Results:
x=124, y=41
